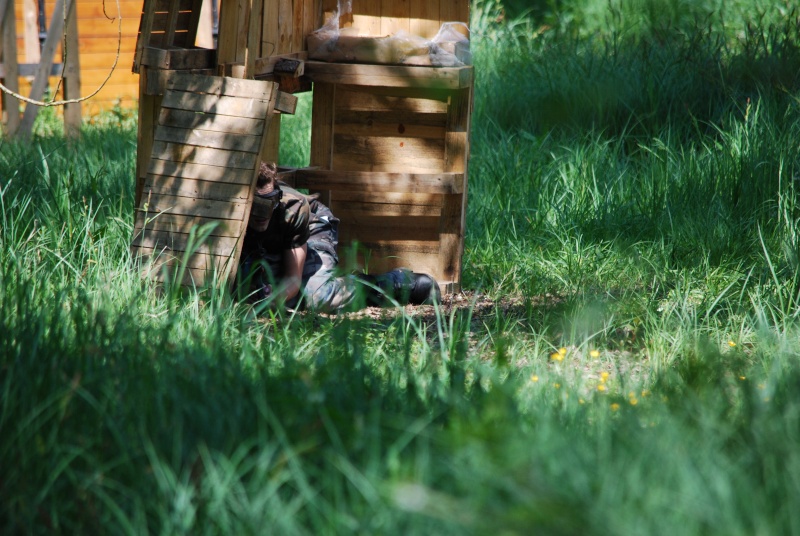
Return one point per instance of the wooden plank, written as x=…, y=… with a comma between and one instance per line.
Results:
x=272, y=140
x=285, y=103
x=395, y=16
x=424, y=18
x=253, y=50
x=184, y=224
x=178, y=153
x=214, y=191
x=148, y=108
x=397, y=118
x=198, y=261
x=379, y=204
x=194, y=22
x=208, y=138
x=353, y=211
x=211, y=122
x=72, y=78
x=196, y=58
x=362, y=164
x=189, y=206
x=367, y=18
x=145, y=28
x=9, y=45
x=298, y=19
x=357, y=99
x=218, y=85
x=271, y=33
x=371, y=128
x=285, y=21
x=389, y=150
x=213, y=104
x=322, y=119
x=389, y=75
x=453, y=221
x=40, y=81
x=227, y=27
x=433, y=183
x=312, y=19
x=171, y=25
x=200, y=171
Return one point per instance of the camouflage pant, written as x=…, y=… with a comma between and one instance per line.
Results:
x=323, y=290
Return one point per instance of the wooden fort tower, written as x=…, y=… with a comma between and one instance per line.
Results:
x=389, y=133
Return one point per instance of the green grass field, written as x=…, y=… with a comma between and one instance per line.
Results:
x=625, y=359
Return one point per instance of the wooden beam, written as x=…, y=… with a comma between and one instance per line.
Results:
x=390, y=75
x=434, y=183
x=179, y=59
x=285, y=103
x=145, y=27
x=40, y=80
x=8, y=45
x=72, y=76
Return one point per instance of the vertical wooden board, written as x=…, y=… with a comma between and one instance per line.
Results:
x=230, y=20
x=454, y=209
x=394, y=16
x=312, y=18
x=424, y=18
x=149, y=106
x=285, y=21
x=10, y=104
x=322, y=120
x=253, y=41
x=273, y=140
x=367, y=17
x=455, y=11
x=270, y=34
x=72, y=82
x=298, y=19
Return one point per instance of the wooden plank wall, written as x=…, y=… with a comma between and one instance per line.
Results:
x=202, y=169
x=393, y=164
x=98, y=33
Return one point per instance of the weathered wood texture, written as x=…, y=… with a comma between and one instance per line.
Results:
x=201, y=170
x=392, y=161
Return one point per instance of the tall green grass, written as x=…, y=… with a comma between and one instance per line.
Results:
x=625, y=360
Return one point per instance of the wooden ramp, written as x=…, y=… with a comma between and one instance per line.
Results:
x=200, y=177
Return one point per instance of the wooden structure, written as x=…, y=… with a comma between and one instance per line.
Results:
x=64, y=20
x=389, y=143
x=202, y=170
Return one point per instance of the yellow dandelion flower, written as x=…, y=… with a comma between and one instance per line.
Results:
x=614, y=406
x=557, y=385
x=562, y=351
x=603, y=376
x=534, y=378
x=645, y=393
x=595, y=354
x=743, y=378
x=601, y=388
x=557, y=357
x=732, y=344
x=633, y=400
x=581, y=401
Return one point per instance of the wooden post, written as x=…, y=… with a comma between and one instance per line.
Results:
x=322, y=117
x=43, y=71
x=72, y=80
x=8, y=52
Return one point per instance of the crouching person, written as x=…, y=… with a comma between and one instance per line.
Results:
x=289, y=255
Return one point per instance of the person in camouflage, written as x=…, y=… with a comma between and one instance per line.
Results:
x=289, y=255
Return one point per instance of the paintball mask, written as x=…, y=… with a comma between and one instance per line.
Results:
x=264, y=204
